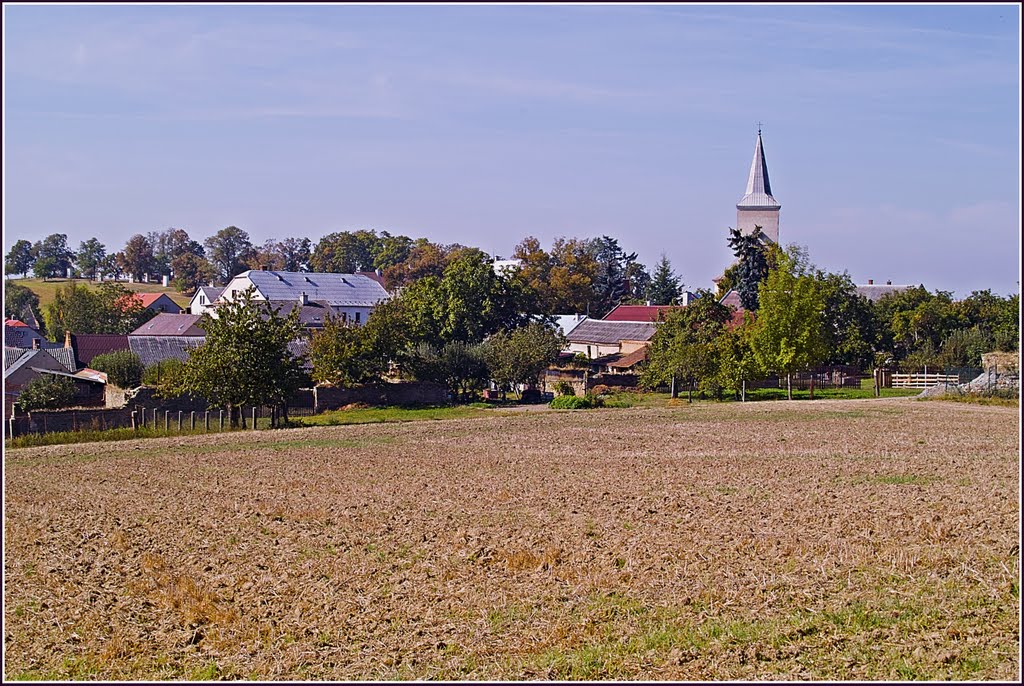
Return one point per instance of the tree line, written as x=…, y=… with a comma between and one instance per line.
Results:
x=576, y=275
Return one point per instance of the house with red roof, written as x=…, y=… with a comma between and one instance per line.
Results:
x=159, y=303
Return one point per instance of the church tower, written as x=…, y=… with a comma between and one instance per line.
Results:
x=758, y=207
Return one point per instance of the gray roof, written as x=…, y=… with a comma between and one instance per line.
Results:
x=211, y=292
x=12, y=354
x=352, y=290
x=609, y=333
x=153, y=349
x=759, y=188
x=312, y=315
x=876, y=290
x=166, y=324
x=65, y=357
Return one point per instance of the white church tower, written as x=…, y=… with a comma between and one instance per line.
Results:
x=757, y=207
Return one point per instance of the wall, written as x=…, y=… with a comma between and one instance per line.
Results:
x=405, y=393
x=49, y=421
x=1004, y=362
x=767, y=219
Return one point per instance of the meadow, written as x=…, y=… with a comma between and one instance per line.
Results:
x=835, y=540
x=47, y=290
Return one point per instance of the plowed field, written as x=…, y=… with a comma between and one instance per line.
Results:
x=829, y=540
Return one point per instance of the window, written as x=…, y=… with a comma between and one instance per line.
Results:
x=357, y=317
x=202, y=299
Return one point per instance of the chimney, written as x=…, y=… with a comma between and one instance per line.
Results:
x=67, y=339
x=870, y=281
x=303, y=298
x=35, y=344
x=166, y=280
x=888, y=283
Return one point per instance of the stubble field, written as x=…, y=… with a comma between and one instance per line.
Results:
x=829, y=540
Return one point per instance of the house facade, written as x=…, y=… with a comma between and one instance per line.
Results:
x=166, y=336
x=597, y=337
x=203, y=299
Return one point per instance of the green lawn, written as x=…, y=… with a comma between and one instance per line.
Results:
x=46, y=290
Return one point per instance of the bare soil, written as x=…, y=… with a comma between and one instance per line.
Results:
x=871, y=539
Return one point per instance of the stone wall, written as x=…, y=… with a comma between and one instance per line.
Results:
x=1002, y=362
x=84, y=419
x=404, y=393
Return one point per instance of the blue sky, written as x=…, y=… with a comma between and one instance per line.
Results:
x=892, y=133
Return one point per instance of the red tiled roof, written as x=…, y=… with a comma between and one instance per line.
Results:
x=630, y=359
x=638, y=313
x=14, y=322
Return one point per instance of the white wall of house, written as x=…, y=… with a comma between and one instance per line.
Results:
x=593, y=350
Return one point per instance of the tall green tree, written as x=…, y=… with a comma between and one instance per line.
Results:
x=665, y=286
x=20, y=259
x=245, y=358
x=107, y=308
x=138, y=260
x=18, y=299
x=912, y=324
x=90, y=257
x=519, y=357
x=848, y=323
x=229, y=250
x=345, y=252
x=735, y=356
x=459, y=366
x=685, y=347
x=611, y=285
x=53, y=256
x=789, y=334
x=122, y=367
x=191, y=271
x=47, y=392
x=752, y=266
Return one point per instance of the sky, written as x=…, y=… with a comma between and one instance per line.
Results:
x=892, y=133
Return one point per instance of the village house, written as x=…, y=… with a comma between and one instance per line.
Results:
x=88, y=346
x=158, y=302
x=203, y=299
x=874, y=291
x=597, y=337
x=350, y=297
x=166, y=336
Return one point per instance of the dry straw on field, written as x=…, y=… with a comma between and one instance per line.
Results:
x=826, y=540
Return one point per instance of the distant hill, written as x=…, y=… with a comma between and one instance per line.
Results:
x=46, y=290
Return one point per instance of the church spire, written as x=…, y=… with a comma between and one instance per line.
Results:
x=759, y=189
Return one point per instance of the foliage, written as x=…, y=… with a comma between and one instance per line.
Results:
x=20, y=259
x=964, y=347
x=47, y=392
x=847, y=325
x=164, y=375
x=788, y=332
x=229, y=250
x=665, y=286
x=574, y=402
x=245, y=359
x=138, y=257
x=110, y=308
x=90, y=258
x=735, y=355
x=752, y=268
x=913, y=324
x=17, y=298
x=341, y=356
x=460, y=366
x=191, y=271
x=685, y=345
x=346, y=252
x=520, y=357
x=564, y=388
x=123, y=368
x=613, y=281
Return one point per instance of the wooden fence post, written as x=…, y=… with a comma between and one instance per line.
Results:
x=192, y=421
x=134, y=426
x=154, y=419
x=254, y=419
x=179, y=421
x=206, y=420
x=167, y=420
x=222, y=420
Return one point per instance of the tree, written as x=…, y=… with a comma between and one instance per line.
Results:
x=519, y=358
x=964, y=347
x=17, y=299
x=294, y=254
x=229, y=250
x=611, y=282
x=736, y=361
x=788, y=334
x=914, y=321
x=422, y=260
x=169, y=245
x=266, y=257
x=685, y=348
x=664, y=288
x=392, y=250
x=572, y=277
x=847, y=324
x=123, y=368
x=346, y=252
x=113, y=265
x=54, y=254
x=245, y=358
x=138, y=257
x=109, y=308
x=460, y=366
x=191, y=271
x=20, y=259
x=90, y=258
x=47, y=392
x=752, y=268
x=341, y=356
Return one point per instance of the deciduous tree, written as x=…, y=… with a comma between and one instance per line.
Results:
x=229, y=249
x=20, y=259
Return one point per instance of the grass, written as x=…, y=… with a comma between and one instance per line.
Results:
x=46, y=290
x=830, y=393
x=975, y=399
x=378, y=415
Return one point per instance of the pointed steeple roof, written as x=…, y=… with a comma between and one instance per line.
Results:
x=759, y=189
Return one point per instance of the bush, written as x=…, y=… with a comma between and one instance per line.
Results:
x=162, y=373
x=123, y=368
x=48, y=392
x=601, y=389
x=564, y=388
x=572, y=402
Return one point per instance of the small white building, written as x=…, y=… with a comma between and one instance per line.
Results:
x=204, y=297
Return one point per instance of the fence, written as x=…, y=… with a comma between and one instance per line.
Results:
x=923, y=380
